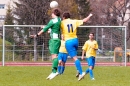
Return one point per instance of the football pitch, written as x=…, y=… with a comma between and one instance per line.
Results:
x=36, y=76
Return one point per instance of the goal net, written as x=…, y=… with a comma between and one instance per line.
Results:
x=18, y=46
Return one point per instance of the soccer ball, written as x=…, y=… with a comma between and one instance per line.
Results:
x=54, y=4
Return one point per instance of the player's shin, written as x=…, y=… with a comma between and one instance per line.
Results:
x=91, y=73
x=62, y=69
x=78, y=66
x=87, y=71
x=54, y=65
x=59, y=69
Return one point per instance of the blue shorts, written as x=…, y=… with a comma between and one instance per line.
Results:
x=91, y=61
x=72, y=47
x=62, y=57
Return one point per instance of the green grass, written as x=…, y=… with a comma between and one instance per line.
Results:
x=36, y=76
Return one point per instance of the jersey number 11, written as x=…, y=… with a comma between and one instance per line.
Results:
x=70, y=26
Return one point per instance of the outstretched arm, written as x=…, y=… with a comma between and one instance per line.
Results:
x=87, y=18
x=39, y=33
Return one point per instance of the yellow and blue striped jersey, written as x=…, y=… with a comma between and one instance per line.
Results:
x=88, y=47
x=69, y=28
x=62, y=47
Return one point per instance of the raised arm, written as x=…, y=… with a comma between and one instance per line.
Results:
x=87, y=18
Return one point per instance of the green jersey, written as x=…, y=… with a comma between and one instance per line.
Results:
x=54, y=25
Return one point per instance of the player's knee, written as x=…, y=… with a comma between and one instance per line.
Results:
x=63, y=63
x=91, y=67
x=60, y=62
x=75, y=58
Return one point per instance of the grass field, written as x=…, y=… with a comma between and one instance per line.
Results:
x=36, y=76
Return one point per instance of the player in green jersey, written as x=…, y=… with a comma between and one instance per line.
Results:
x=54, y=42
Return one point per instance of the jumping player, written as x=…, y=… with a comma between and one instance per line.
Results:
x=69, y=29
x=54, y=42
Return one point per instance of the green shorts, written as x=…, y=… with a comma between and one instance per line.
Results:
x=54, y=45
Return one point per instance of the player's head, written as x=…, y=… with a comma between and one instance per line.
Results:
x=91, y=36
x=56, y=12
x=66, y=15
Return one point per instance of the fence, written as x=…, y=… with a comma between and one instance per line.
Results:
x=18, y=46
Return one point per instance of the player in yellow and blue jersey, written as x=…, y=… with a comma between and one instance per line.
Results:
x=69, y=29
x=62, y=56
x=90, y=48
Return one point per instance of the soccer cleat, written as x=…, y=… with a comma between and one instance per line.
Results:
x=77, y=75
x=49, y=76
x=92, y=79
x=57, y=73
x=53, y=75
x=81, y=76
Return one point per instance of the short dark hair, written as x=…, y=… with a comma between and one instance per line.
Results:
x=66, y=15
x=92, y=33
x=56, y=11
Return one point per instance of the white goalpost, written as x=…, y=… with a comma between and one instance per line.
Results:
x=124, y=35
x=17, y=46
x=4, y=30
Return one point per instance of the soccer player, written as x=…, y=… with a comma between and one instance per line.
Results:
x=54, y=42
x=62, y=56
x=69, y=29
x=90, y=48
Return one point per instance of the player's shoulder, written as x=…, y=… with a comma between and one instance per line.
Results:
x=77, y=20
x=95, y=41
x=55, y=20
x=87, y=41
x=64, y=20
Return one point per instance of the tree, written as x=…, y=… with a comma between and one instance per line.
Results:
x=120, y=10
x=101, y=12
x=70, y=6
x=9, y=16
x=31, y=12
x=9, y=21
x=84, y=8
x=111, y=12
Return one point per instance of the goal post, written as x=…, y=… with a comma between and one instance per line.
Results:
x=112, y=30
x=18, y=45
x=12, y=26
